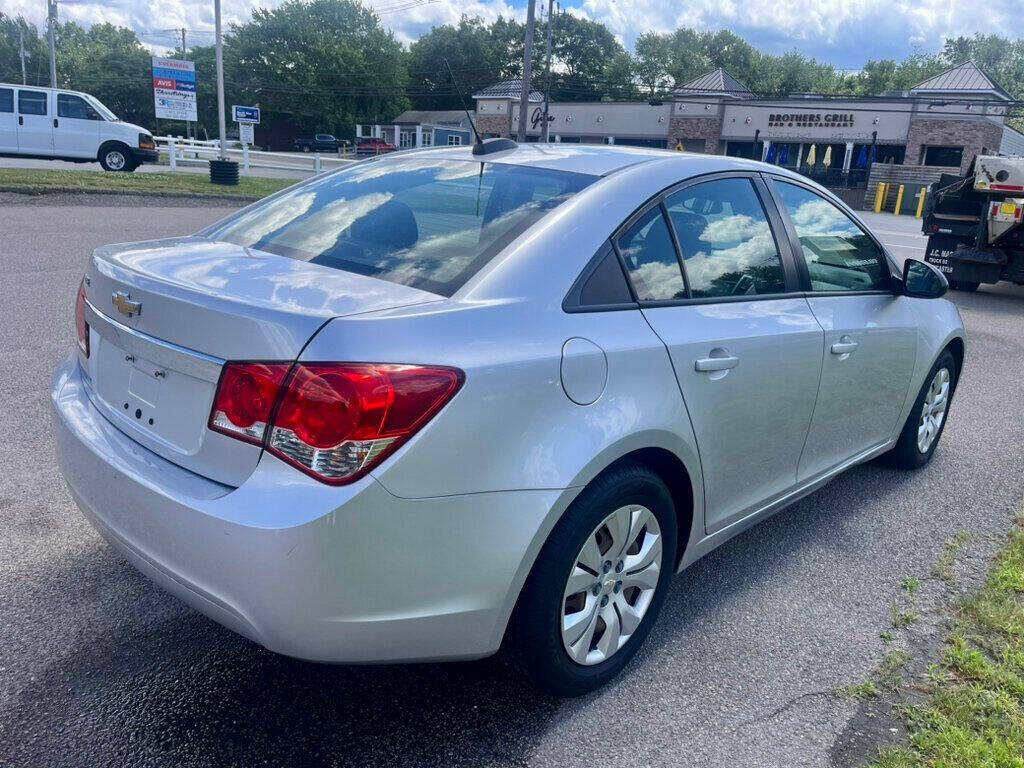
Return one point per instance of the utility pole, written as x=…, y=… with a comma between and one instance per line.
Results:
x=524, y=98
x=220, y=77
x=21, y=31
x=547, y=76
x=51, y=23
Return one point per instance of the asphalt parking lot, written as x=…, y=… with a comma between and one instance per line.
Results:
x=100, y=668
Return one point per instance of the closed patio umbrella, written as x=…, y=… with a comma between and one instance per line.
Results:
x=812, y=155
x=862, y=158
x=784, y=154
x=770, y=157
x=827, y=159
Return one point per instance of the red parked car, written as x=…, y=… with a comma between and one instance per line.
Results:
x=375, y=147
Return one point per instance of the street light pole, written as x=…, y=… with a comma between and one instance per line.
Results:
x=524, y=98
x=547, y=77
x=51, y=22
x=222, y=127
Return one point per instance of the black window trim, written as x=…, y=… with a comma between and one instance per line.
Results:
x=13, y=100
x=800, y=260
x=572, y=303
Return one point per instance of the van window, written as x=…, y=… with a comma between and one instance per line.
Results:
x=75, y=107
x=6, y=99
x=32, y=102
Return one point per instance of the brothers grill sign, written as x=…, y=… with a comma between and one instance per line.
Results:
x=811, y=120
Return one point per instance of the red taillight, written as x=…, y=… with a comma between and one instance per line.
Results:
x=80, y=322
x=335, y=421
x=245, y=399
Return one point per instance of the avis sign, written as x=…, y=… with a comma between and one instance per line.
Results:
x=174, y=89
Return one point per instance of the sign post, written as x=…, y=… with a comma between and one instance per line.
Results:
x=174, y=89
x=246, y=117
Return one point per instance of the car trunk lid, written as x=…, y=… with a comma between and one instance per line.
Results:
x=165, y=315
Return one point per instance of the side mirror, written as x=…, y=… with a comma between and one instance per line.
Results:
x=923, y=281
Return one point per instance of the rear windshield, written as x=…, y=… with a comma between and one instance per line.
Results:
x=426, y=222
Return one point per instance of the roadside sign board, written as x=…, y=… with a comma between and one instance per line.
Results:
x=174, y=89
x=245, y=114
x=245, y=133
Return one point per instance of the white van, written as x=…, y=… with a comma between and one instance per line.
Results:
x=68, y=125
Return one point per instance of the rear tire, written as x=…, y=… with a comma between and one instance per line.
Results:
x=927, y=419
x=628, y=510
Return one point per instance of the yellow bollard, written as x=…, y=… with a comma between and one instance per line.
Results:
x=921, y=196
x=880, y=196
x=899, y=200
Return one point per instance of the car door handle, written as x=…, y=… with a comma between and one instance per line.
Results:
x=21, y=120
x=843, y=347
x=716, y=363
x=55, y=122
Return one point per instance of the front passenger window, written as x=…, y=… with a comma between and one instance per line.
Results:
x=838, y=253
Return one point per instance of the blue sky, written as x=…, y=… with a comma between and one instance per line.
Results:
x=842, y=32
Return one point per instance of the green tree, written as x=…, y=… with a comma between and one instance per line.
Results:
x=325, y=64
x=652, y=62
x=470, y=51
x=580, y=50
x=618, y=77
x=37, y=66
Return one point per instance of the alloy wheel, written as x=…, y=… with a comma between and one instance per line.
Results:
x=933, y=410
x=115, y=160
x=611, y=584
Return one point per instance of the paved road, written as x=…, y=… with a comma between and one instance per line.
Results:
x=98, y=667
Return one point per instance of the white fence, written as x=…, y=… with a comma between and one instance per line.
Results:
x=192, y=152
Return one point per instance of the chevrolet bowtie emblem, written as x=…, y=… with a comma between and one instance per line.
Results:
x=123, y=301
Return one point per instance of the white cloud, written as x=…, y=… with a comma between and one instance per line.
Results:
x=844, y=33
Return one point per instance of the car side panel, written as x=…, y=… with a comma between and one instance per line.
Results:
x=513, y=426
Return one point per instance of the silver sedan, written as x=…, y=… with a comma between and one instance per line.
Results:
x=451, y=400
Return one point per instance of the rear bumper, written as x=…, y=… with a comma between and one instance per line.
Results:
x=350, y=574
x=145, y=155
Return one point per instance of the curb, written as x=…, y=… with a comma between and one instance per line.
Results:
x=40, y=191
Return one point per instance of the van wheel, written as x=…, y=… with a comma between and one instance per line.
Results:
x=116, y=157
x=598, y=583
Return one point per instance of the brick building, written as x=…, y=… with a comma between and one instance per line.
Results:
x=942, y=122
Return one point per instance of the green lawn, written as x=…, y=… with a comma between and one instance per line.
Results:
x=974, y=716
x=32, y=180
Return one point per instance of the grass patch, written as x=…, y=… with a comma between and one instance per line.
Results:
x=975, y=714
x=943, y=568
x=33, y=181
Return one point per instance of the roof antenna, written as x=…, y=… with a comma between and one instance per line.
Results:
x=465, y=109
x=480, y=147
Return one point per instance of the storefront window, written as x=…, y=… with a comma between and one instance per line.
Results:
x=948, y=156
x=747, y=149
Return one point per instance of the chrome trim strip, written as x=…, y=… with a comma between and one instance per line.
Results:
x=180, y=359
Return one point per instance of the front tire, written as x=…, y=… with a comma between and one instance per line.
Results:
x=927, y=419
x=116, y=157
x=598, y=583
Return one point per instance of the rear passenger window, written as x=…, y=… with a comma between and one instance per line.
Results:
x=839, y=254
x=32, y=102
x=6, y=99
x=725, y=240
x=650, y=258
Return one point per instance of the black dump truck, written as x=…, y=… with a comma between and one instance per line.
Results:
x=975, y=223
